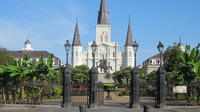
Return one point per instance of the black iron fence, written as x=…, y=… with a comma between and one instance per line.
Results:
x=31, y=93
x=80, y=93
x=187, y=95
x=147, y=92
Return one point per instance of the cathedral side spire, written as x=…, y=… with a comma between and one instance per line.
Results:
x=103, y=17
x=129, y=36
x=76, y=39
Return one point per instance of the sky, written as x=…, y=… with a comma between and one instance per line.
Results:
x=49, y=23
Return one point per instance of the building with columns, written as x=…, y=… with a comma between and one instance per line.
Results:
x=106, y=49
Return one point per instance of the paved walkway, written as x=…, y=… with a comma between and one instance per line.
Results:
x=45, y=108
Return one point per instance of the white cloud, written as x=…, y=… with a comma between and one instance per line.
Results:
x=49, y=33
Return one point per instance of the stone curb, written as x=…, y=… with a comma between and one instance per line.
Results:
x=29, y=106
x=102, y=107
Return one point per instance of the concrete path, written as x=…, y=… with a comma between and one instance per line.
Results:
x=46, y=108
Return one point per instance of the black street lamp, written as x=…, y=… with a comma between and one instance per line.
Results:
x=135, y=48
x=93, y=80
x=134, y=90
x=94, y=48
x=161, y=81
x=67, y=48
x=67, y=80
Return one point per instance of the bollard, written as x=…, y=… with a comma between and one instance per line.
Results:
x=82, y=108
x=146, y=108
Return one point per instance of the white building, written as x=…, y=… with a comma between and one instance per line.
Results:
x=106, y=49
x=153, y=63
x=34, y=55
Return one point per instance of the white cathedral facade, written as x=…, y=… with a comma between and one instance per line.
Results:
x=106, y=49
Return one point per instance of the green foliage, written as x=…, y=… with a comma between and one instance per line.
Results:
x=190, y=65
x=57, y=90
x=122, y=77
x=172, y=64
x=108, y=84
x=15, y=77
x=151, y=78
x=5, y=57
x=80, y=74
x=183, y=68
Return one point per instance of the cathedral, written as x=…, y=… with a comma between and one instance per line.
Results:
x=106, y=49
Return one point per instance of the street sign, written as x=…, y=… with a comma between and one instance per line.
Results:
x=180, y=89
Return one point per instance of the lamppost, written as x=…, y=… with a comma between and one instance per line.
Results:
x=67, y=48
x=94, y=48
x=134, y=87
x=135, y=48
x=161, y=81
x=93, y=79
x=67, y=80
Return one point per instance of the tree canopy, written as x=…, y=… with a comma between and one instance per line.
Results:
x=5, y=57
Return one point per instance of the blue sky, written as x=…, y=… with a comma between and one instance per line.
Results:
x=49, y=23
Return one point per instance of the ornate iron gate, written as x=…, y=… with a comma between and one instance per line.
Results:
x=147, y=92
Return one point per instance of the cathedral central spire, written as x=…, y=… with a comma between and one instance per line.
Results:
x=103, y=17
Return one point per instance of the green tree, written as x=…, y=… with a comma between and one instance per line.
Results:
x=80, y=75
x=122, y=77
x=172, y=60
x=190, y=66
x=23, y=72
x=5, y=57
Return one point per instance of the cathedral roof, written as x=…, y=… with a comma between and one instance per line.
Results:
x=76, y=39
x=103, y=17
x=129, y=40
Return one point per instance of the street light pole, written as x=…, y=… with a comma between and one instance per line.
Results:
x=93, y=79
x=66, y=59
x=161, y=80
x=134, y=87
x=67, y=48
x=93, y=59
x=135, y=60
x=67, y=81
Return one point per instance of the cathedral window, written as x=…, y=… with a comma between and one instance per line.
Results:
x=158, y=62
x=113, y=54
x=103, y=37
x=76, y=53
x=150, y=62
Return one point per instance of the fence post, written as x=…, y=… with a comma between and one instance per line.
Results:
x=93, y=88
x=161, y=88
x=66, y=88
x=134, y=90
